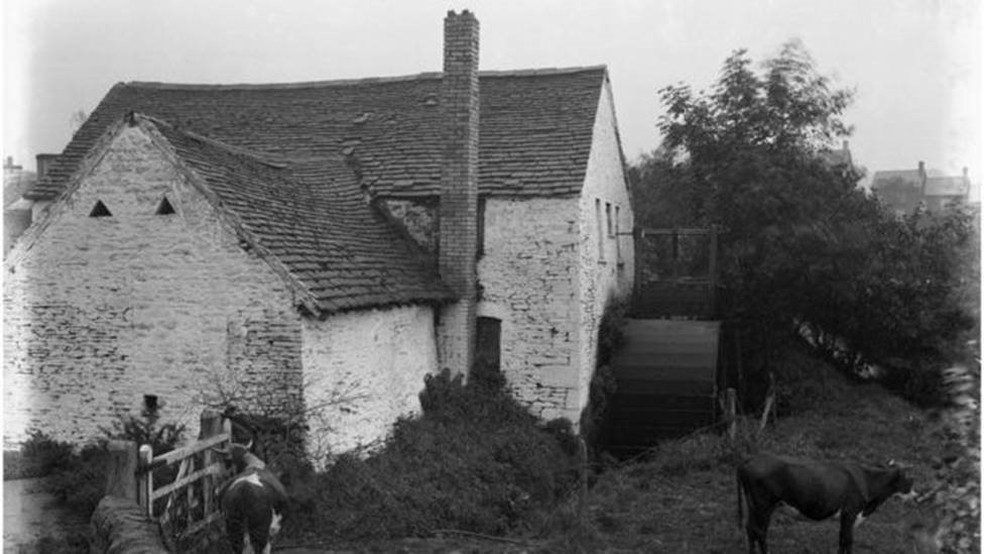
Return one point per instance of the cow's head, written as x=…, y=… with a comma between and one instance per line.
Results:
x=238, y=457
x=900, y=483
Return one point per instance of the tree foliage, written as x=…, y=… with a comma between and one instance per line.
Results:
x=803, y=245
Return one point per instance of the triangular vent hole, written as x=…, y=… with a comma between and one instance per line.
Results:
x=100, y=210
x=165, y=207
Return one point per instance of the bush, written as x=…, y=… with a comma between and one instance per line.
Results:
x=40, y=455
x=79, y=481
x=475, y=460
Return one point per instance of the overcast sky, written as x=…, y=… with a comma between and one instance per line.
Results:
x=916, y=64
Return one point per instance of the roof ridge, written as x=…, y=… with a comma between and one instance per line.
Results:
x=364, y=80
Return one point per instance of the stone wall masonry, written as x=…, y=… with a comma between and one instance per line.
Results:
x=419, y=218
x=528, y=279
x=120, y=526
x=101, y=311
x=606, y=262
x=363, y=371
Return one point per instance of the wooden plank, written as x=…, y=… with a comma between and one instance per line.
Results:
x=214, y=469
x=185, y=451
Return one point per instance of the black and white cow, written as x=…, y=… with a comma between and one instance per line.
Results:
x=818, y=490
x=253, y=500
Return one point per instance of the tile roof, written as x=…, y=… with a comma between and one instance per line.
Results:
x=947, y=186
x=535, y=127
x=340, y=252
x=909, y=177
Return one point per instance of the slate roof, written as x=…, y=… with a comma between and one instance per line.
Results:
x=535, y=127
x=333, y=245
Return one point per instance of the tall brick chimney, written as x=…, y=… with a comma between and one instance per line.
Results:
x=458, y=212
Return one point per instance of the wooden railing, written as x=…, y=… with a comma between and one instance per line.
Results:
x=665, y=285
x=178, y=489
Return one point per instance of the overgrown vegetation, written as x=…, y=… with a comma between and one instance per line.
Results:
x=475, y=461
x=803, y=247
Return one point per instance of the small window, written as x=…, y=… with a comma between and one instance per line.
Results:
x=100, y=210
x=151, y=403
x=618, y=239
x=608, y=219
x=601, y=231
x=164, y=208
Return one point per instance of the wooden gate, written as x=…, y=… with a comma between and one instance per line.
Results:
x=179, y=489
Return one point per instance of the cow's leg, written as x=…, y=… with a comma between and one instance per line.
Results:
x=848, y=519
x=757, y=528
x=259, y=531
x=236, y=532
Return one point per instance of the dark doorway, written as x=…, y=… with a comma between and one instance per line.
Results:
x=488, y=343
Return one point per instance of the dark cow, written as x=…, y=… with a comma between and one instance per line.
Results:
x=253, y=501
x=818, y=490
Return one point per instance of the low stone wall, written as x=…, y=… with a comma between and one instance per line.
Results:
x=120, y=526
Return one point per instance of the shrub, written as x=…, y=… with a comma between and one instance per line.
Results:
x=476, y=460
x=80, y=481
x=40, y=455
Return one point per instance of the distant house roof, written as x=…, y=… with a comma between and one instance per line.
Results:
x=906, y=176
x=15, y=184
x=535, y=127
x=326, y=240
x=947, y=186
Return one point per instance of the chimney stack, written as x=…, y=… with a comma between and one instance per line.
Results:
x=44, y=163
x=458, y=211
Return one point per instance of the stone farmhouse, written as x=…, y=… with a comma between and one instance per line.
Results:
x=320, y=247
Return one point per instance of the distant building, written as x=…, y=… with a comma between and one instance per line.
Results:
x=903, y=191
x=841, y=157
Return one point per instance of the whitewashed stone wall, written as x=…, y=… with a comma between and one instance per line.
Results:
x=528, y=278
x=101, y=311
x=606, y=260
x=363, y=371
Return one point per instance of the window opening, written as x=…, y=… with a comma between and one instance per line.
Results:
x=608, y=219
x=165, y=207
x=151, y=403
x=488, y=347
x=100, y=210
x=618, y=239
x=601, y=230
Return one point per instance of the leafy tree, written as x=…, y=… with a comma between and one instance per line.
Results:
x=803, y=245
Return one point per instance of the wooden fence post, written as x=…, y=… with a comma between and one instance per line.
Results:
x=211, y=425
x=146, y=482
x=121, y=479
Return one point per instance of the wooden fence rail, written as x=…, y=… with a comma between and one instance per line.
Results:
x=176, y=489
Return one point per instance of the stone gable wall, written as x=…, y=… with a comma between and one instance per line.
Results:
x=606, y=257
x=102, y=311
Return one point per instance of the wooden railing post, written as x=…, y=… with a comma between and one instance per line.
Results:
x=146, y=482
x=121, y=479
x=211, y=425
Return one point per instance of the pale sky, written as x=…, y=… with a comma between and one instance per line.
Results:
x=916, y=64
